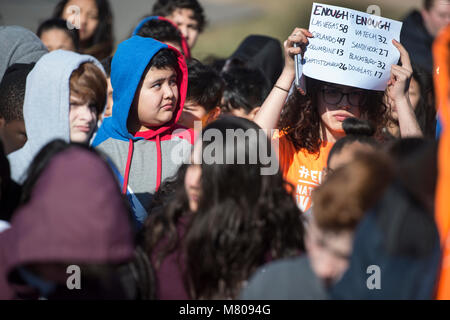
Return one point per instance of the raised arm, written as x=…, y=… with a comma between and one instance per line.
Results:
x=397, y=91
x=269, y=114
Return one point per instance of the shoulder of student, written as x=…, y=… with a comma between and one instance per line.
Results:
x=286, y=279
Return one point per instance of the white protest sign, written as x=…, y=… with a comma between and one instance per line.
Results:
x=350, y=47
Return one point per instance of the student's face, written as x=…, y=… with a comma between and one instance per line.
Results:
x=329, y=252
x=437, y=17
x=12, y=134
x=414, y=97
x=109, y=99
x=88, y=17
x=192, y=179
x=55, y=39
x=82, y=119
x=333, y=112
x=184, y=19
x=157, y=98
x=191, y=112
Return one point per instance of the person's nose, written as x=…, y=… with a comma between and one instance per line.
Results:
x=184, y=31
x=83, y=20
x=168, y=92
x=86, y=114
x=344, y=103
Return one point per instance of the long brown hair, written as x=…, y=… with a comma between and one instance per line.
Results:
x=244, y=220
x=301, y=121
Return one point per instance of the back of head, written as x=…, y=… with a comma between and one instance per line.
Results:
x=12, y=91
x=19, y=45
x=245, y=88
x=12, y=94
x=397, y=242
x=399, y=235
x=165, y=8
x=261, y=52
x=411, y=156
x=357, y=131
x=205, y=86
x=161, y=30
x=342, y=200
x=244, y=218
x=39, y=164
x=83, y=222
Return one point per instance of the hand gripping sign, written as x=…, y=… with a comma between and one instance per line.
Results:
x=350, y=47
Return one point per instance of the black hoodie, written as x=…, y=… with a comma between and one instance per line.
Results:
x=417, y=40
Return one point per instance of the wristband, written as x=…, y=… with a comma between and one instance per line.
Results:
x=281, y=88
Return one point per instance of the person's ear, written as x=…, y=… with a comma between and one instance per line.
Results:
x=252, y=114
x=2, y=122
x=424, y=14
x=212, y=115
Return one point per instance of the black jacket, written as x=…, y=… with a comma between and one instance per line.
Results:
x=417, y=40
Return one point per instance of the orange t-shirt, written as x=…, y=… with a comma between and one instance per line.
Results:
x=302, y=169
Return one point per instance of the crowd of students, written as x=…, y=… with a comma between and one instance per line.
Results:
x=152, y=172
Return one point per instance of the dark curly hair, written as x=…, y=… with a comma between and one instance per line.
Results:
x=301, y=121
x=165, y=8
x=100, y=45
x=205, y=85
x=160, y=30
x=245, y=220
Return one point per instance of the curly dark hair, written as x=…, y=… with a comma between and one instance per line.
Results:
x=160, y=30
x=165, y=8
x=101, y=44
x=245, y=220
x=301, y=121
x=205, y=85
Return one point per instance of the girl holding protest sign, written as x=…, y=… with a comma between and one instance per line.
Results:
x=311, y=122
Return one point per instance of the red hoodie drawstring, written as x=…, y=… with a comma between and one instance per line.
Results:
x=127, y=168
x=158, y=168
x=159, y=162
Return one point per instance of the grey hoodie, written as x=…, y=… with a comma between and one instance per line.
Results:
x=46, y=106
x=18, y=45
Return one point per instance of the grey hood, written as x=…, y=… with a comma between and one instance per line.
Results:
x=18, y=45
x=46, y=106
